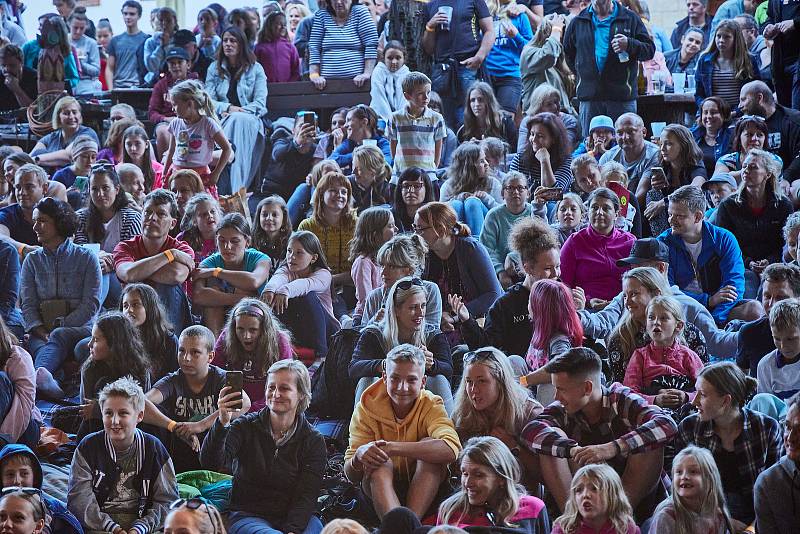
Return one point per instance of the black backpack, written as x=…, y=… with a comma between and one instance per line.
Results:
x=332, y=391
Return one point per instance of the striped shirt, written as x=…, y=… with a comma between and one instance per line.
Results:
x=341, y=50
x=416, y=138
x=725, y=85
x=533, y=172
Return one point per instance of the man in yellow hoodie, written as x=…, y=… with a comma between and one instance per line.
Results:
x=401, y=439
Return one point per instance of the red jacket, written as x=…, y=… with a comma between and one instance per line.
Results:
x=160, y=108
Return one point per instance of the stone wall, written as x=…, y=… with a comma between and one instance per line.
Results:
x=665, y=13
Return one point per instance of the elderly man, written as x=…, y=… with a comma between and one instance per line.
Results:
x=633, y=151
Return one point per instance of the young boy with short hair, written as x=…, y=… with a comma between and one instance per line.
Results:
x=719, y=187
x=416, y=132
x=121, y=479
x=779, y=371
x=187, y=398
x=19, y=466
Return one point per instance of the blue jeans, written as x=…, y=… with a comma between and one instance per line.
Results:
x=453, y=101
x=508, y=91
x=176, y=305
x=51, y=354
x=592, y=108
x=299, y=203
x=309, y=322
x=244, y=523
x=471, y=211
x=110, y=291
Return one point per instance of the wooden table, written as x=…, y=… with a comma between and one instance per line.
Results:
x=286, y=99
x=670, y=108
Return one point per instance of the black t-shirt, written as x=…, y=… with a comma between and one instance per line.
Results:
x=8, y=102
x=464, y=37
x=182, y=404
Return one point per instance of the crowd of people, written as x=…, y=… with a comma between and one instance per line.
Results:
x=492, y=296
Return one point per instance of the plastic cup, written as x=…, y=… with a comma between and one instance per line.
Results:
x=679, y=81
x=448, y=12
x=657, y=128
x=690, y=84
x=369, y=142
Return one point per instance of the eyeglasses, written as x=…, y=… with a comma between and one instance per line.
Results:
x=478, y=355
x=516, y=188
x=104, y=166
x=27, y=491
x=408, y=186
x=193, y=504
x=405, y=285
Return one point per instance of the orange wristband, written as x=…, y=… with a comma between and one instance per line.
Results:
x=217, y=271
x=313, y=76
x=171, y=426
x=21, y=250
x=170, y=257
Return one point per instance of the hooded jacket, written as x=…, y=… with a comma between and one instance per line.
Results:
x=374, y=419
x=59, y=520
x=773, y=487
x=280, y=483
x=617, y=81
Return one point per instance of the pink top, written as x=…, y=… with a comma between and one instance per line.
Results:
x=194, y=143
x=589, y=260
x=529, y=508
x=652, y=361
x=287, y=283
x=366, y=275
x=608, y=528
x=19, y=369
x=280, y=60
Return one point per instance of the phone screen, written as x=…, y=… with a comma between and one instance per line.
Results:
x=234, y=379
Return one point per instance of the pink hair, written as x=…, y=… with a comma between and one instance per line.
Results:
x=553, y=312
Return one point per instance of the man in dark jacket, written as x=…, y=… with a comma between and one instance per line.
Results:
x=198, y=61
x=783, y=27
x=697, y=17
x=783, y=124
x=603, y=46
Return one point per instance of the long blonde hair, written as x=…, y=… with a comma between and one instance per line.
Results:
x=713, y=500
x=194, y=91
x=490, y=452
x=390, y=331
x=499, y=9
x=626, y=329
x=371, y=158
x=509, y=412
x=609, y=487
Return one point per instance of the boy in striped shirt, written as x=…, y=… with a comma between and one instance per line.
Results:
x=416, y=132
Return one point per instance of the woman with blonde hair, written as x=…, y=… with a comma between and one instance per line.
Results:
x=458, y=263
x=639, y=286
x=52, y=150
x=490, y=492
x=193, y=516
x=370, y=178
x=542, y=62
x=404, y=322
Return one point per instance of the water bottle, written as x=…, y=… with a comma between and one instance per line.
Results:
x=623, y=57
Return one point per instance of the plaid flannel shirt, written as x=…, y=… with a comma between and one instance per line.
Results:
x=758, y=446
x=625, y=416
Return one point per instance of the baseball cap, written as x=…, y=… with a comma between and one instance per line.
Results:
x=643, y=250
x=601, y=121
x=183, y=37
x=721, y=178
x=176, y=52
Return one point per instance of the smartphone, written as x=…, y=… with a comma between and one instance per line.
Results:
x=235, y=380
x=310, y=118
x=554, y=193
x=657, y=173
x=80, y=183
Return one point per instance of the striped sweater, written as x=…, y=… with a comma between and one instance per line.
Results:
x=342, y=50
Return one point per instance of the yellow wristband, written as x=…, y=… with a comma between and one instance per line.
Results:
x=171, y=426
x=523, y=380
x=313, y=76
x=169, y=256
x=217, y=271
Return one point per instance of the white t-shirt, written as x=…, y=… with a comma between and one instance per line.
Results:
x=694, y=250
x=194, y=143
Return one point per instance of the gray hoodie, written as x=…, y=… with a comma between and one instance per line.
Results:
x=777, y=498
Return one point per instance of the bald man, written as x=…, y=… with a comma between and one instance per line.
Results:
x=783, y=124
x=633, y=150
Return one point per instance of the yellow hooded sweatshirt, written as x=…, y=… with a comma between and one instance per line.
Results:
x=374, y=419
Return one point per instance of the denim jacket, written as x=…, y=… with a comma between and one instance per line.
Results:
x=704, y=71
x=251, y=89
x=70, y=273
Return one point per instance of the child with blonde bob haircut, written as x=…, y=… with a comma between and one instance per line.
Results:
x=597, y=503
x=697, y=504
x=370, y=178
x=490, y=484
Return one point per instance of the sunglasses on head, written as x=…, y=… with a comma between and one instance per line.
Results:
x=193, y=504
x=104, y=166
x=405, y=285
x=31, y=492
x=478, y=355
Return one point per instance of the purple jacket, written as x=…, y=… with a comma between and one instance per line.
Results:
x=589, y=260
x=280, y=60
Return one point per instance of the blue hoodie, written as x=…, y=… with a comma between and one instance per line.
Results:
x=60, y=520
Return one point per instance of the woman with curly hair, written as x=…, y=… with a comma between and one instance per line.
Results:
x=546, y=159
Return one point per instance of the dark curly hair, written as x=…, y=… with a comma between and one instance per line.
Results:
x=64, y=218
x=559, y=148
x=531, y=236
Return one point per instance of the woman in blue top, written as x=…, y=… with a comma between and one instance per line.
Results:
x=227, y=276
x=361, y=124
x=512, y=32
x=51, y=150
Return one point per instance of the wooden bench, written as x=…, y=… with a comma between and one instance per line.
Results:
x=285, y=99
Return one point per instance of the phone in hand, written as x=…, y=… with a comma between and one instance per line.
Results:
x=658, y=179
x=235, y=380
x=554, y=193
x=80, y=183
x=310, y=118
